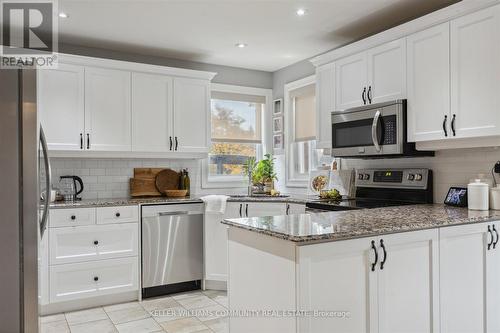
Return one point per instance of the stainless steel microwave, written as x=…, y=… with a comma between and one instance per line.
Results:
x=370, y=131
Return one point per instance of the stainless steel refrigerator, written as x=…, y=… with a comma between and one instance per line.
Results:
x=24, y=174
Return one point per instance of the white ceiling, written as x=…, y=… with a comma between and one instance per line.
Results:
x=207, y=30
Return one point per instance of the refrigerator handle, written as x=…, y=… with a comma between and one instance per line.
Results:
x=48, y=176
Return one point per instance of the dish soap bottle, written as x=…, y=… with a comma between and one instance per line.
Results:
x=187, y=182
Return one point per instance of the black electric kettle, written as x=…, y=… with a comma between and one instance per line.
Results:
x=69, y=187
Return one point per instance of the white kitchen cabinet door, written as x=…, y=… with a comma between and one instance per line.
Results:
x=492, y=281
x=337, y=276
x=191, y=115
x=71, y=217
x=151, y=112
x=82, y=280
x=475, y=73
x=325, y=104
x=86, y=243
x=107, y=109
x=387, y=72
x=61, y=106
x=462, y=252
x=351, y=82
x=260, y=209
x=408, y=292
x=118, y=214
x=429, y=84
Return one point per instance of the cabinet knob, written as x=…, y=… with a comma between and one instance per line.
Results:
x=96, y=278
x=73, y=217
x=96, y=242
x=117, y=214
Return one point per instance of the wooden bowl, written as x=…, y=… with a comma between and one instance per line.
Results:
x=175, y=193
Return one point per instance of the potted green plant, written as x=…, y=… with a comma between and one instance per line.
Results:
x=265, y=174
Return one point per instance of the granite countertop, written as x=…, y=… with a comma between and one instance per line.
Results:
x=164, y=200
x=341, y=225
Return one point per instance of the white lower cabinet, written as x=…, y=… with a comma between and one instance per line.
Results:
x=82, y=280
x=91, y=252
x=216, y=232
x=77, y=244
x=470, y=275
x=392, y=291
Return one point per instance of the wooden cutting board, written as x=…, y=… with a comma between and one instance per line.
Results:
x=144, y=182
x=167, y=179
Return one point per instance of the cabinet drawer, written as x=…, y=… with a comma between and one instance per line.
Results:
x=119, y=214
x=82, y=280
x=85, y=243
x=71, y=217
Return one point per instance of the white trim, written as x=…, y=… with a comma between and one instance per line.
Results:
x=266, y=132
x=289, y=127
x=435, y=18
x=126, y=154
x=133, y=66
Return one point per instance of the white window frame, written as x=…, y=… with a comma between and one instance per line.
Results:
x=290, y=128
x=208, y=182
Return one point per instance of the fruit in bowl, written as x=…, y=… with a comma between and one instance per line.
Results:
x=331, y=195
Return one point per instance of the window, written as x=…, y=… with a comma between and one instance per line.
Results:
x=300, y=110
x=237, y=122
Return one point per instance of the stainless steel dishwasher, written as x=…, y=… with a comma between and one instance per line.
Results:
x=172, y=248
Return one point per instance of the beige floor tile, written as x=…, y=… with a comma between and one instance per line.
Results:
x=158, y=304
x=51, y=318
x=139, y=326
x=218, y=325
x=128, y=313
x=186, y=294
x=210, y=312
x=195, y=301
x=101, y=326
x=185, y=325
x=55, y=327
x=84, y=316
x=120, y=306
x=222, y=300
x=214, y=293
x=171, y=314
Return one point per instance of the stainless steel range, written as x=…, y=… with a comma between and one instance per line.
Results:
x=377, y=188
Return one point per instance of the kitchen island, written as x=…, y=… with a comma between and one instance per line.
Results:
x=401, y=269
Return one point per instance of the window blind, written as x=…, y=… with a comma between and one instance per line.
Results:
x=304, y=113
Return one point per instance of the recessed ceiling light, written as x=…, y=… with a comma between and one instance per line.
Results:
x=63, y=15
x=240, y=45
x=301, y=12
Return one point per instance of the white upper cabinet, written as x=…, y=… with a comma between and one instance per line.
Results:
x=151, y=112
x=191, y=118
x=107, y=109
x=387, y=72
x=475, y=73
x=429, y=84
x=350, y=82
x=374, y=76
x=61, y=106
x=325, y=104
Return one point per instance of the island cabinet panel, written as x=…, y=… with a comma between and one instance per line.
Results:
x=396, y=290
x=337, y=276
x=470, y=266
x=408, y=282
x=262, y=271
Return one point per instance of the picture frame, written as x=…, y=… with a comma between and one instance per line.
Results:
x=277, y=124
x=278, y=141
x=277, y=106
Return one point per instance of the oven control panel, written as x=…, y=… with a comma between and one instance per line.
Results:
x=399, y=178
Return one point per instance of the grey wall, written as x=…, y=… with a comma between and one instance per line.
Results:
x=225, y=74
x=291, y=73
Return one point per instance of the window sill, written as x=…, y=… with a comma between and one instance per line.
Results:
x=223, y=182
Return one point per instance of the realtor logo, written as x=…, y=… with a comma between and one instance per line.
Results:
x=29, y=37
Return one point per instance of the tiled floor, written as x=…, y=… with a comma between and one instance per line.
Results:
x=198, y=311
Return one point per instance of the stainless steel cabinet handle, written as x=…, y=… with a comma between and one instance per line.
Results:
x=48, y=182
x=181, y=212
x=374, y=131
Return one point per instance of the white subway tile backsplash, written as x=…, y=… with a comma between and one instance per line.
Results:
x=109, y=178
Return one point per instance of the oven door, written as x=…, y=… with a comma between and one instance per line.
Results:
x=368, y=131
